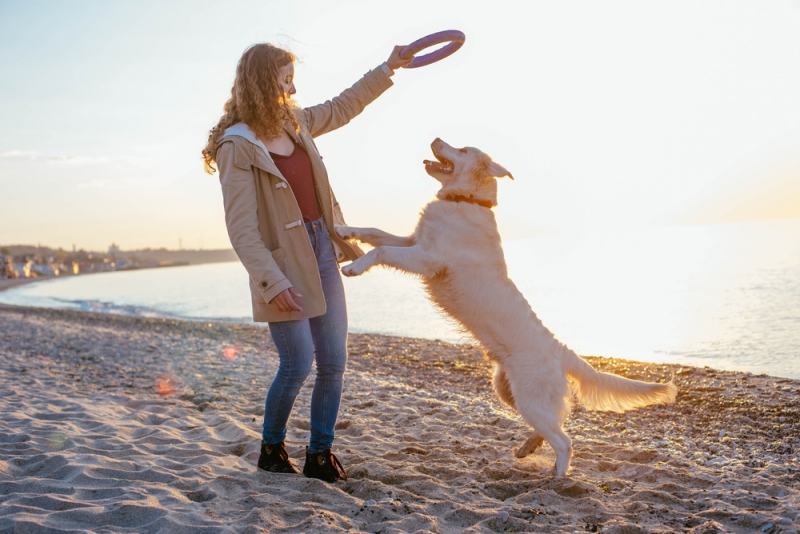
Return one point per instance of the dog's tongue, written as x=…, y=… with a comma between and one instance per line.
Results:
x=433, y=163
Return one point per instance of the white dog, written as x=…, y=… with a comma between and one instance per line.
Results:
x=456, y=250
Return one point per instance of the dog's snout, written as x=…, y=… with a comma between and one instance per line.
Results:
x=438, y=145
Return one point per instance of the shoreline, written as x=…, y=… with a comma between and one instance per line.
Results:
x=9, y=283
x=427, y=445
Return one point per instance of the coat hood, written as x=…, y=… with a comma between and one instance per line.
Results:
x=241, y=129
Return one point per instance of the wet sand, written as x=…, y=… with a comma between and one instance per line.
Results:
x=124, y=424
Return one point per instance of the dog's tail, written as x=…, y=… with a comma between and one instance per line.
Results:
x=604, y=391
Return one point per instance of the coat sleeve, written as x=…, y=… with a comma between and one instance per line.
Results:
x=241, y=218
x=338, y=111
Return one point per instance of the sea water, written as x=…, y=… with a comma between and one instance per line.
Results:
x=725, y=296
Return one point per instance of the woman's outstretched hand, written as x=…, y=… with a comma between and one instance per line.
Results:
x=395, y=61
x=284, y=301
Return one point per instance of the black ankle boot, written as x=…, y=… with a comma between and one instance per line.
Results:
x=324, y=466
x=275, y=459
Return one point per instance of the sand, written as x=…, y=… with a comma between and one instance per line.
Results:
x=122, y=424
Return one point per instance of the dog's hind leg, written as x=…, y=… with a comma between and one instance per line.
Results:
x=531, y=444
x=546, y=412
x=562, y=446
x=502, y=387
x=503, y=390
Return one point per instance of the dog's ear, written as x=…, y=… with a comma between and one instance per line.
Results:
x=498, y=171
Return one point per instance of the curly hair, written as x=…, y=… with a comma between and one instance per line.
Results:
x=257, y=99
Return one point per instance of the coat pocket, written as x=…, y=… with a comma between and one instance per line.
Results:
x=279, y=255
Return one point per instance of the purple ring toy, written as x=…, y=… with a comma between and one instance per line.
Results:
x=455, y=37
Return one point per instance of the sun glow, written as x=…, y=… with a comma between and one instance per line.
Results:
x=618, y=114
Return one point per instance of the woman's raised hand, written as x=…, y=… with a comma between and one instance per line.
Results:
x=284, y=301
x=395, y=61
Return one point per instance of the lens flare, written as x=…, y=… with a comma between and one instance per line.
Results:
x=165, y=386
x=57, y=441
x=231, y=352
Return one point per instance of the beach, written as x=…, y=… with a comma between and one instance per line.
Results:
x=127, y=424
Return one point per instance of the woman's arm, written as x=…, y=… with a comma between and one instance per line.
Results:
x=241, y=218
x=338, y=111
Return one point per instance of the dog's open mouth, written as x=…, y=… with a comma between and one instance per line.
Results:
x=442, y=165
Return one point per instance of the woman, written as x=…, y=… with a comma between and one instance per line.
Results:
x=280, y=213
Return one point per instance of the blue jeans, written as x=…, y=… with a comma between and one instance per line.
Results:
x=299, y=343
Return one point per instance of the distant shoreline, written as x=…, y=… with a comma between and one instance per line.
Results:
x=9, y=283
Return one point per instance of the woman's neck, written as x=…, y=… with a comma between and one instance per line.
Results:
x=283, y=145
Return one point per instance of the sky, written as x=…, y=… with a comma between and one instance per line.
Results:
x=610, y=115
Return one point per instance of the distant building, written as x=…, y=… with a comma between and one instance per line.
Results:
x=23, y=269
x=113, y=250
x=7, y=267
x=44, y=269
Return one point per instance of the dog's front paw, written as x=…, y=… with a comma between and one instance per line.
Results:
x=345, y=232
x=352, y=270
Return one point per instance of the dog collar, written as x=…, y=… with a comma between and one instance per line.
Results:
x=461, y=198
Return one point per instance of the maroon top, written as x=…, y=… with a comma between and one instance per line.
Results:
x=296, y=168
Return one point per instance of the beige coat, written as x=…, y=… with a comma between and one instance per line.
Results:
x=264, y=222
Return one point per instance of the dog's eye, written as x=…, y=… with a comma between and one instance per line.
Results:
x=463, y=150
